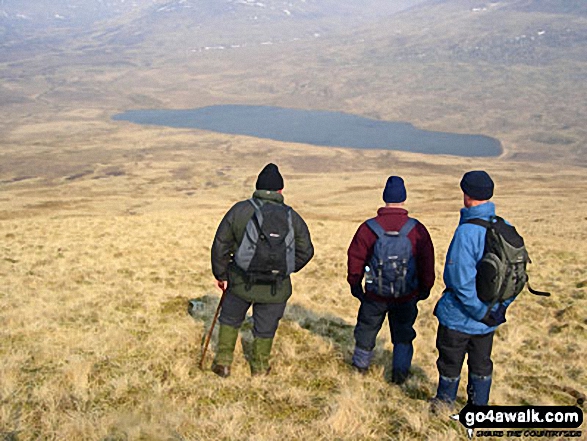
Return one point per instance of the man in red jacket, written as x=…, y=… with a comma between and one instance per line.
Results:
x=397, y=294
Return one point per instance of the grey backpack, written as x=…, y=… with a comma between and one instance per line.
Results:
x=267, y=252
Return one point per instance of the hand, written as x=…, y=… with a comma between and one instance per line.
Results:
x=357, y=291
x=222, y=284
x=495, y=318
x=423, y=294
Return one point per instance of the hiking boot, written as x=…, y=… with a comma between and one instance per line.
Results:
x=446, y=394
x=361, y=360
x=360, y=370
x=221, y=370
x=261, y=373
x=399, y=377
x=438, y=406
x=478, y=388
x=260, y=356
x=402, y=360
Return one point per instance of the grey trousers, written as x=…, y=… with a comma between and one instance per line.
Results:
x=266, y=316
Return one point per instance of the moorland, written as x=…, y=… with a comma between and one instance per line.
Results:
x=106, y=226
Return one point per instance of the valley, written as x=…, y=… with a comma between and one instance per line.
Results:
x=106, y=226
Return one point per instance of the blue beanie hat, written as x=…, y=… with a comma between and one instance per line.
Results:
x=477, y=185
x=395, y=191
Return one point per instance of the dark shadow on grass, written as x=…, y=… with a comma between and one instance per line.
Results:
x=416, y=386
x=340, y=333
x=328, y=326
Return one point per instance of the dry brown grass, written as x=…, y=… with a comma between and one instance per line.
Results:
x=105, y=233
x=104, y=239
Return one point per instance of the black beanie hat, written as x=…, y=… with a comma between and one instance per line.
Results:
x=477, y=185
x=395, y=190
x=269, y=179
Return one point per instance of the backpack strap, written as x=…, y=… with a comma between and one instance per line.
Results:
x=480, y=222
x=536, y=292
x=408, y=226
x=290, y=242
x=379, y=231
x=252, y=233
x=375, y=227
x=257, y=204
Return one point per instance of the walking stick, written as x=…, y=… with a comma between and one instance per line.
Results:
x=211, y=329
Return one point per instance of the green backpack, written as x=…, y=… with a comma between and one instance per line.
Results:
x=501, y=272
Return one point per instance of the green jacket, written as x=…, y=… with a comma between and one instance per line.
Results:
x=230, y=234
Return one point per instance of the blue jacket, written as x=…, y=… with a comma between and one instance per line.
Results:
x=459, y=308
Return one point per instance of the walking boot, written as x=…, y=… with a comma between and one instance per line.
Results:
x=260, y=356
x=446, y=394
x=361, y=360
x=227, y=336
x=402, y=360
x=478, y=388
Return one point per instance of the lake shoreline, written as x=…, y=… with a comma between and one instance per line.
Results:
x=316, y=127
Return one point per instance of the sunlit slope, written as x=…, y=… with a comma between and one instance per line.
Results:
x=106, y=227
x=106, y=238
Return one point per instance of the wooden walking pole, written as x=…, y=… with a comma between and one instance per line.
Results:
x=209, y=336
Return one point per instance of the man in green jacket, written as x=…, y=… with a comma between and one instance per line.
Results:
x=266, y=289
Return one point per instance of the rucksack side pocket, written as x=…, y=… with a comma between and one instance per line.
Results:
x=490, y=271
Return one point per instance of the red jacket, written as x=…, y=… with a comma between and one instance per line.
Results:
x=361, y=249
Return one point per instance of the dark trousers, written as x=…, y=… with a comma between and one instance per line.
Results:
x=371, y=315
x=266, y=316
x=453, y=345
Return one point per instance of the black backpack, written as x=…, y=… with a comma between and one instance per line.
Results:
x=392, y=268
x=267, y=252
x=501, y=272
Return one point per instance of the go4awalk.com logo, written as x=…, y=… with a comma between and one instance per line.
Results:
x=521, y=421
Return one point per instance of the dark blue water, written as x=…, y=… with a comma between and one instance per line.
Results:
x=335, y=129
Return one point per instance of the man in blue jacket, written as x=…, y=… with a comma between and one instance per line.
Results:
x=466, y=327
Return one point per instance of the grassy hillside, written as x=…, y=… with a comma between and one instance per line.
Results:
x=106, y=227
x=105, y=239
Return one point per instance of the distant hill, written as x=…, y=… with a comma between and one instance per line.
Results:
x=213, y=22
x=81, y=13
x=512, y=69
x=506, y=31
x=574, y=7
x=170, y=27
x=503, y=32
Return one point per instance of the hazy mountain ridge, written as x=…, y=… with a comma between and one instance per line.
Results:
x=572, y=7
x=37, y=26
x=41, y=14
x=506, y=32
x=33, y=15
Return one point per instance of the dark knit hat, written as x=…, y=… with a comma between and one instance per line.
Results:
x=477, y=185
x=395, y=191
x=269, y=179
